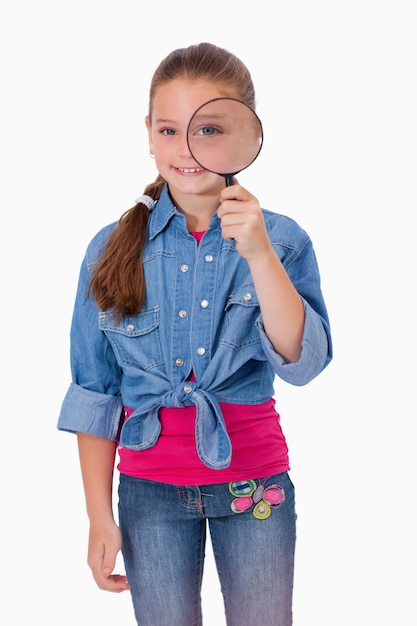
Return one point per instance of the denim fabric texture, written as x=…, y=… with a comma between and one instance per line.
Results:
x=163, y=536
x=201, y=314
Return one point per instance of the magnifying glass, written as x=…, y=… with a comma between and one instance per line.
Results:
x=225, y=136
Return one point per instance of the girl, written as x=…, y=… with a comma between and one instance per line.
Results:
x=186, y=310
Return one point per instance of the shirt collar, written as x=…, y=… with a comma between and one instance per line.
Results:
x=161, y=214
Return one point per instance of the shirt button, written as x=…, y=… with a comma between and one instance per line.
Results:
x=182, y=313
x=209, y=258
x=201, y=351
x=247, y=297
x=179, y=362
x=188, y=388
x=204, y=304
x=130, y=328
x=184, y=268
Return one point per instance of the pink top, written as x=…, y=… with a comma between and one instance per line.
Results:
x=258, y=446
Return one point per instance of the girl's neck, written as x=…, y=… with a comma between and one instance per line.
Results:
x=198, y=210
x=197, y=223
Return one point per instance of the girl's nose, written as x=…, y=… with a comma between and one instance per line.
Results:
x=184, y=150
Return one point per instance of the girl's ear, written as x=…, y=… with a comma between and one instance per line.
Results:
x=148, y=126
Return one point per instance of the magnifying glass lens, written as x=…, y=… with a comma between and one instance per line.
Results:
x=224, y=136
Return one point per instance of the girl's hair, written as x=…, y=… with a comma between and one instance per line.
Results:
x=118, y=282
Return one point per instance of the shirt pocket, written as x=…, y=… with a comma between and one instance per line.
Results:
x=242, y=310
x=135, y=340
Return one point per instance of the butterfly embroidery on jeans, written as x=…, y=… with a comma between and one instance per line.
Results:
x=248, y=493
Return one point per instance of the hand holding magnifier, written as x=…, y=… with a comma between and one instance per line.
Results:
x=225, y=136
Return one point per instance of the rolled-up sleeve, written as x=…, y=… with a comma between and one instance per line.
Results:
x=90, y=412
x=315, y=351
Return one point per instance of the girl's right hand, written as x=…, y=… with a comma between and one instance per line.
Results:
x=103, y=547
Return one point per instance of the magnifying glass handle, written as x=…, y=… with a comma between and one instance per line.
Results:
x=229, y=181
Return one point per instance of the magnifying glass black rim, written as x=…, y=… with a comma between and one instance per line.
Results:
x=230, y=174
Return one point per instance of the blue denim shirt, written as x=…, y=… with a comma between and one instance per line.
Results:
x=201, y=314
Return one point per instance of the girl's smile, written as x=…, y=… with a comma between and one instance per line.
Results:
x=189, y=170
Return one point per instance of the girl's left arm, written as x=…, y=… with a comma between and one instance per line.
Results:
x=281, y=306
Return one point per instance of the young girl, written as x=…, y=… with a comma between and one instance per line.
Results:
x=186, y=310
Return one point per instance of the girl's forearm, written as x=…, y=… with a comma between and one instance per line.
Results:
x=281, y=306
x=97, y=457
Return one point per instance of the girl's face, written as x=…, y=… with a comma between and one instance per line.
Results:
x=172, y=108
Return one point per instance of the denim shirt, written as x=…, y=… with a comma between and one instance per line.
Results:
x=201, y=314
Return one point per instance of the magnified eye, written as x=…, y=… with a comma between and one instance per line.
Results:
x=208, y=131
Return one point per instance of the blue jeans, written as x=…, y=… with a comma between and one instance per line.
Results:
x=163, y=541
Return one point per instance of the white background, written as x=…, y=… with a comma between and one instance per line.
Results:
x=336, y=93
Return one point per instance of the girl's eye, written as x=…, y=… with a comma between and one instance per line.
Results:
x=168, y=131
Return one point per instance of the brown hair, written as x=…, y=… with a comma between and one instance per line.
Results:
x=118, y=282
